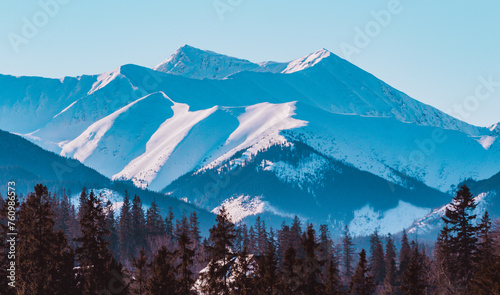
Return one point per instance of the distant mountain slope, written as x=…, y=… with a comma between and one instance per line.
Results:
x=27, y=164
x=293, y=179
x=201, y=112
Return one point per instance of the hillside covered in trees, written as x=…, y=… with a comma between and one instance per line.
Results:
x=92, y=249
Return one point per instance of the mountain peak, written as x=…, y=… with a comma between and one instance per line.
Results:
x=192, y=62
x=196, y=63
x=307, y=61
x=495, y=128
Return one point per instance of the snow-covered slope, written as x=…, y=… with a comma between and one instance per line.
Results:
x=201, y=112
x=431, y=224
x=195, y=63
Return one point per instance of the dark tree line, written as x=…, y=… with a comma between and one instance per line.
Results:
x=94, y=250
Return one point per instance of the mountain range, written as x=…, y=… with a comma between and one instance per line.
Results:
x=316, y=137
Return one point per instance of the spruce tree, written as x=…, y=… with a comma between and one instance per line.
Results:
x=459, y=218
x=290, y=272
x=261, y=239
x=98, y=270
x=125, y=229
x=243, y=273
x=310, y=266
x=162, y=280
x=296, y=235
x=347, y=253
x=194, y=229
x=404, y=254
x=141, y=273
x=186, y=258
x=221, y=254
x=45, y=260
x=362, y=282
x=169, y=225
x=267, y=272
x=111, y=226
x=332, y=282
x=325, y=250
x=486, y=279
x=154, y=222
x=377, y=261
x=414, y=282
x=137, y=226
x=252, y=241
x=485, y=249
x=390, y=266
x=444, y=259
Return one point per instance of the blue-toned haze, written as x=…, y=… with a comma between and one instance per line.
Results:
x=436, y=52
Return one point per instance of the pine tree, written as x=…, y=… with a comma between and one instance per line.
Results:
x=252, y=241
x=362, y=282
x=169, y=224
x=186, y=257
x=486, y=279
x=194, y=229
x=137, y=225
x=310, y=270
x=181, y=226
x=162, y=280
x=444, y=259
x=347, y=253
x=325, y=250
x=154, y=222
x=222, y=237
x=111, y=226
x=377, y=262
x=125, y=229
x=45, y=260
x=267, y=271
x=295, y=236
x=98, y=270
x=485, y=249
x=141, y=272
x=261, y=239
x=459, y=217
x=290, y=270
x=243, y=273
x=404, y=254
x=390, y=266
x=414, y=282
x=332, y=282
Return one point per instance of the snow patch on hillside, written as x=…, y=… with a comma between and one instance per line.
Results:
x=85, y=144
x=241, y=207
x=366, y=220
x=433, y=221
x=259, y=128
x=308, y=170
x=306, y=61
x=487, y=141
x=144, y=169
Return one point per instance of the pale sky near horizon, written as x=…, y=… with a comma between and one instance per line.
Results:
x=443, y=53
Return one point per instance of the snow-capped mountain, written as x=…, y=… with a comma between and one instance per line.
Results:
x=199, y=116
x=27, y=165
x=195, y=63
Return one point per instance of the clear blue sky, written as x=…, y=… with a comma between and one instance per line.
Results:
x=435, y=51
